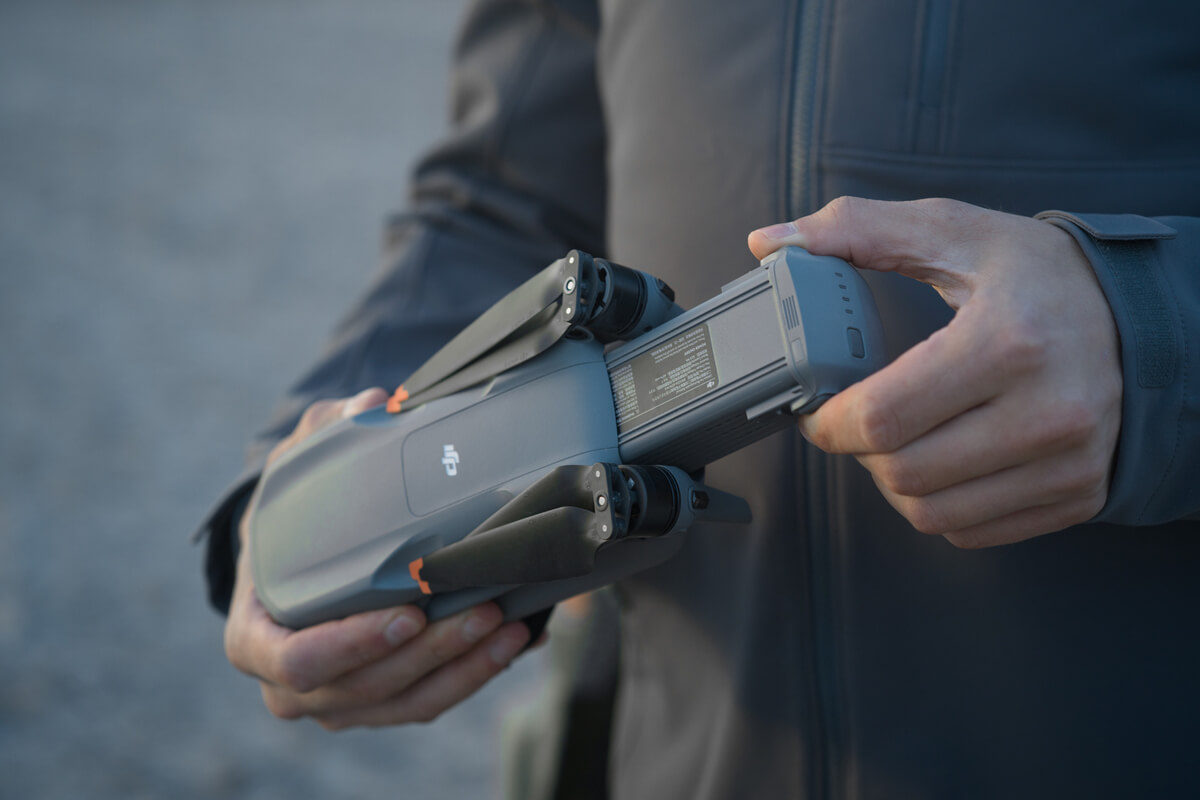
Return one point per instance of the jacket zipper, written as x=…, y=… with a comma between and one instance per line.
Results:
x=822, y=662
x=927, y=128
x=801, y=196
x=808, y=21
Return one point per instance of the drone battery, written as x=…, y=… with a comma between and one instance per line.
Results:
x=739, y=366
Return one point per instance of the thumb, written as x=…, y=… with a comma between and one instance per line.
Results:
x=366, y=399
x=324, y=413
x=922, y=239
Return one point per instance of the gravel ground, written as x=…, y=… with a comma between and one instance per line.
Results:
x=190, y=194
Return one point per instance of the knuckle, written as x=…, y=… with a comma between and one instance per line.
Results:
x=1078, y=422
x=1021, y=344
x=966, y=540
x=818, y=435
x=238, y=651
x=446, y=645
x=234, y=651
x=458, y=635
x=879, y=427
x=1087, y=477
x=928, y=517
x=317, y=414
x=291, y=672
x=843, y=208
x=1068, y=425
x=845, y=212
x=313, y=413
x=281, y=706
x=333, y=724
x=898, y=475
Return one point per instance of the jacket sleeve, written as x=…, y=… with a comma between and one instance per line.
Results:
x=1149, y=270
x=519, y=180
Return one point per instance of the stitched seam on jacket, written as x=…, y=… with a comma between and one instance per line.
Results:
x=950, y=84
x=913, y=101
x=787, y=101
x=1162, y=479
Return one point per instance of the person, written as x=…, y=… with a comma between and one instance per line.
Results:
x=1017, y=182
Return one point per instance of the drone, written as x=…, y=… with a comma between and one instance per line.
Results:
x=557, y=443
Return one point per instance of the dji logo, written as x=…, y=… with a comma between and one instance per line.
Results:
x=450, y=459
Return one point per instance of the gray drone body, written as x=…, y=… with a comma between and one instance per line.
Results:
x=342, y=522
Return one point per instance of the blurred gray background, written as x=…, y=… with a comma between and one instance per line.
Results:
x=191, y=192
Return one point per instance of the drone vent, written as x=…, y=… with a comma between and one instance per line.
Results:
x=791, y=314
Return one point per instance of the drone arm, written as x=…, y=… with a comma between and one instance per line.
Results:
x=576, y=291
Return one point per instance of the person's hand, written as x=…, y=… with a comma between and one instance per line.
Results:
x=383, y=667
x=1001, y=426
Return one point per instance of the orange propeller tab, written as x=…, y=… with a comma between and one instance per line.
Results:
x=393, y=403
x=414, y=569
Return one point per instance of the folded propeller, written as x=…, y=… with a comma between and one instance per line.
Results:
x=609, y=301
x=555, y=528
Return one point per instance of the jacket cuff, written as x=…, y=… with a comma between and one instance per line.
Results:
x=219, y=533
x=1124, y=251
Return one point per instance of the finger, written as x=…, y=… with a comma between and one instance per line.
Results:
x=439, y=644
x=1060, y=480
x=324, y=413
x=250, y=633
x=444, y=688
x=967, y=446
x=1027, y=524
x=924, y=239
x=949, y=373
x=317, y=416
x=301, y=661
x=364, y=400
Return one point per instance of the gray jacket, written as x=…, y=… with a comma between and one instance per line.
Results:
x=830, y=650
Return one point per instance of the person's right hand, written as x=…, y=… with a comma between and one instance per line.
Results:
x=384, y=667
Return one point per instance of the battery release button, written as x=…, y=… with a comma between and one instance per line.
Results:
x=855, y=340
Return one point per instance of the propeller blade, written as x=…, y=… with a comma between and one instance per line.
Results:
x=553, y=529
x=530, y=341
x=571, y=485
x=561, y=543
x=522, y=324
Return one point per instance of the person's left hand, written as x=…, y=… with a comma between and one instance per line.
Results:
x=1001, y=426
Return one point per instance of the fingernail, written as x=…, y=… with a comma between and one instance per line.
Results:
x=783, y=230
x=479, y=625
x=401, y=629
x=506, y=648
